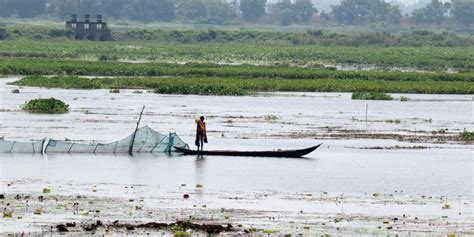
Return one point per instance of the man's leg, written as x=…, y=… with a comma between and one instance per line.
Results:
x=197, y=141
x=202, y=143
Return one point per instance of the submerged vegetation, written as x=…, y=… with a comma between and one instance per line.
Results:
x=244, y=86
x=46, y=106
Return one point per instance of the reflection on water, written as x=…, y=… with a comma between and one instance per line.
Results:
x=434, y=171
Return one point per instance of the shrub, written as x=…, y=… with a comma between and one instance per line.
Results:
x=46, y=106
x=3, y=34
x=370, y=96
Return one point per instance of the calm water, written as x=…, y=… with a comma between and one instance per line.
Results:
x=434, y=171
x=241, y=123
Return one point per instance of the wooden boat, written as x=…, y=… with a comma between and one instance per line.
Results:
x=279, y=154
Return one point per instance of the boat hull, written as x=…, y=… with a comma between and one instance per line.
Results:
x=278, y=154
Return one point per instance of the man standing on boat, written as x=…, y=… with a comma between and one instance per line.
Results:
x=201, y=136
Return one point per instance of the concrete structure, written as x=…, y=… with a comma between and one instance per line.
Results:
x=87, y=29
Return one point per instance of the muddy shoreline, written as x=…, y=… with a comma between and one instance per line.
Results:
x=96, y=211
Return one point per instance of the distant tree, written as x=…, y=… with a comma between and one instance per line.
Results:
x=24, y=8
x=148, y=10
x=433, y=13
x=287, y=13
x=80, y=7
x=219, y=12
x=393, y=15
x=191, y=10
x=326, y=17
x=118, y=9
x=463, y=12
x=303, y=10
x=252, y=10
x=234, y=4
x=360, y=12
x=3, y=8
x=282, y=12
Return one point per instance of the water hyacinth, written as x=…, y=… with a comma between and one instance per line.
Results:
x=47, y=106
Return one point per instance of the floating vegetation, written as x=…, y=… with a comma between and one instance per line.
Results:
x=196, y=88
x=396, y=147
x=47, y=106
x=270, y=117
x=403, y=98
x=370, y=96
x=245, y=86
x=467, y=136
x=181, y=234
x=446, y=206
x=244, y=71
x=7, y=214
x=397, y=121
x=38, y=211
x=421, y=51
x=269, y=232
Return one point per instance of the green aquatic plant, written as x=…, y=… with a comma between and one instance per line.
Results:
x=244, y=71
x=181, y=234
x=47, y=106
x=270, y=117
x=370, y=96
x=403, y=98
x=397, y=121
x=433, y=52
x=467, y=136
x=245, y=86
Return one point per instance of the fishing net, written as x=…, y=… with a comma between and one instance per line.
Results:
x=21, y=147
x=144, y=140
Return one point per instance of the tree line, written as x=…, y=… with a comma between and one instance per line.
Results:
x=284, y=12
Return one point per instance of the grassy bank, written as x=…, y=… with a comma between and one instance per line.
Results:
x=240, y=86
x=227, y=34
x=82, y=68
